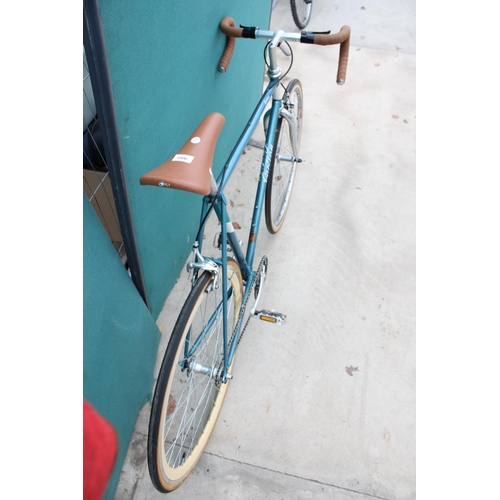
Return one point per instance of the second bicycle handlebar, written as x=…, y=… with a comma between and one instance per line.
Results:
x=229, y=28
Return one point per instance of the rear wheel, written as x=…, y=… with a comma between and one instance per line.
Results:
x=301, y=12
x=284, y=159
x=189, y=392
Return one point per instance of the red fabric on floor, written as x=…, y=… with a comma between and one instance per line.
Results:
x=100, y=445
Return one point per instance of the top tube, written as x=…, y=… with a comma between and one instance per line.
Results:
x=274, y=73
x=245, y=136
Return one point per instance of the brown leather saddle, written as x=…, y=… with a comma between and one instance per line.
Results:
x=190, y=168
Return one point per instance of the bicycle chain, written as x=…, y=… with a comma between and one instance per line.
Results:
x=255, y=284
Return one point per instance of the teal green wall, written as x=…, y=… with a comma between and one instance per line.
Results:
x=120, y=337
x=163, y=58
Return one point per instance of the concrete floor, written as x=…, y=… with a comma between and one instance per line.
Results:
x=324, y=406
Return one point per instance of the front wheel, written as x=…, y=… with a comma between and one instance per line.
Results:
x=301, y=12
x=284, y=158
x=189, y=391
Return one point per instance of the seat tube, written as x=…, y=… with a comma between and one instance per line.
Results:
x=220, y=210
x=264, y=173
x=223, y=220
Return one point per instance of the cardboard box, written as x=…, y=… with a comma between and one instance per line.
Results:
x=97, y=187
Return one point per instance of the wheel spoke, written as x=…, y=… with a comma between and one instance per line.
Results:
x=197, y=393
x=284, y=163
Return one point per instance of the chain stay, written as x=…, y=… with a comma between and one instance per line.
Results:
x=255, y=284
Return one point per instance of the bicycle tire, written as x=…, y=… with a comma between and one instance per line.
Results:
x=301, y=12
x=281, y=172
x=187, y=403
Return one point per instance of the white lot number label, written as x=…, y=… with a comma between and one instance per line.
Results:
x=184, y=158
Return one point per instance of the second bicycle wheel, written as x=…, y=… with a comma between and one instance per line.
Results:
x=189, y=392
x=284, y=160
x=301, y=12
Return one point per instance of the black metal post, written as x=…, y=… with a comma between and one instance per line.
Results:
x=95, y=48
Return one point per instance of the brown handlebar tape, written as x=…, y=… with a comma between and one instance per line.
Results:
x=343, y=37
x=228, y=27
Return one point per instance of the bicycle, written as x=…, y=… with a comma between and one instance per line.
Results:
x=301, y=11
x=225, y=291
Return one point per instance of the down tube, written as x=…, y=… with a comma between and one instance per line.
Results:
x=264, y=173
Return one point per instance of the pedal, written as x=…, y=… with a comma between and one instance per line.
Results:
x=271, y=316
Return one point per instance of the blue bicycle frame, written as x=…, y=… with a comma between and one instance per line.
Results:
x=219, y=204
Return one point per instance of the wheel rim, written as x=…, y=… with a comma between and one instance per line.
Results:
x=303, y=12
x=198, y=397
x=284, y=169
